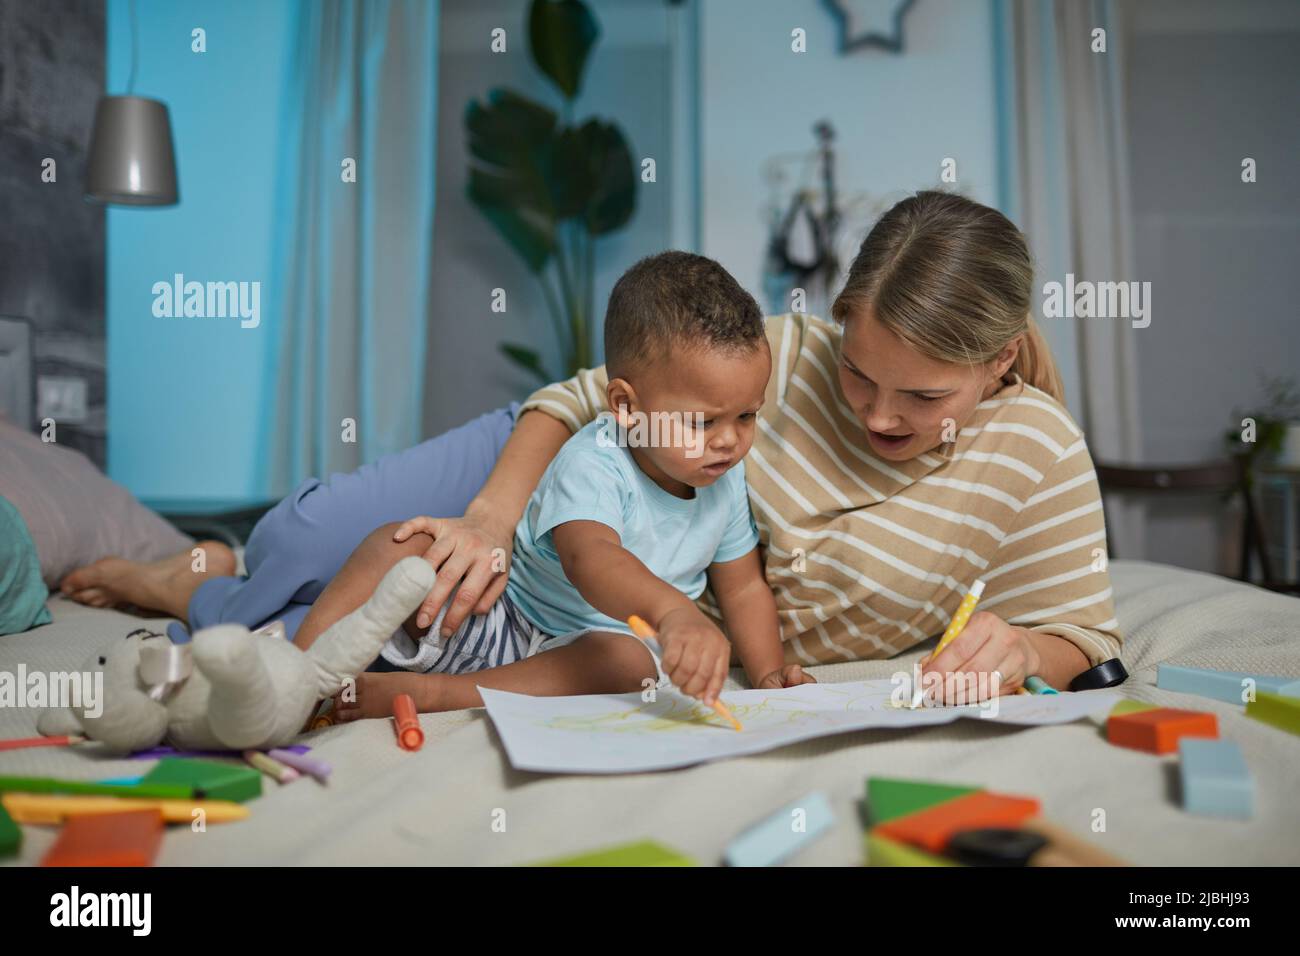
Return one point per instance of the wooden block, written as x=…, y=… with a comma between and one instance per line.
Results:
x=930, y=829
x=777, y=837
x=1158, y=731
x=1281, y=712
x=1228, y=686
x=889, y=798
x=1216, y=780
x=882, y=851
x=210, y=780
x=108, y=839
x=11, y=838
x=641, y=853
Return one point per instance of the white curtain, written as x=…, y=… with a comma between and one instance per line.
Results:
x=1064, y=181
x=353, y=256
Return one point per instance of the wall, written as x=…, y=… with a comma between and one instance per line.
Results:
x=896, y=116
x=1209, y=84
x=186, y=397
x=51, y=240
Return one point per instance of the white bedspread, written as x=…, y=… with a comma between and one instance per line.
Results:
x=457, y=801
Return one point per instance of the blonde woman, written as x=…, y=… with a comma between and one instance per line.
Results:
x=915, y=443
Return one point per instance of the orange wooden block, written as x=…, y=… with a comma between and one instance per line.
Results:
x=108, y=839
x=1158, y=731
x=930, y=829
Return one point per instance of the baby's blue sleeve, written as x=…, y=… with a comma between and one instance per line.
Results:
x=584, y=484
x=741, y=535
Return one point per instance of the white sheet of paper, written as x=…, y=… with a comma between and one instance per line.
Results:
x=620, y=733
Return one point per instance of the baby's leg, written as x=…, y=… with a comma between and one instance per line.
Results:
x=357, y=580
x=596, y=663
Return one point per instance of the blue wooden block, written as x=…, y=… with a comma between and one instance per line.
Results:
x=1216, y=780
x=783, y=833
x=1221, y=685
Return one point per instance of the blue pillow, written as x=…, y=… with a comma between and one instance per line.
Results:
x=22, y=592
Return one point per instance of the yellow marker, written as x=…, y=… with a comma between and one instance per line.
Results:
x=958, y=622
x=647, y=633
x=955, y=627
x=55, y=808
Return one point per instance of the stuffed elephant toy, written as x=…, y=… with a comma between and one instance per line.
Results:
x=232, y=689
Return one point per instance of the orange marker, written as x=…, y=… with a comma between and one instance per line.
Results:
x=407, y=723
x=647, y=633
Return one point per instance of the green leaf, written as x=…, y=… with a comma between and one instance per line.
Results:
x=561, y=34
x=525, y=358
x=510, y=140
x=612, y=175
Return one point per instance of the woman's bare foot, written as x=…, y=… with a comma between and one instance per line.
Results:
x=376, y=690
x=165, y=585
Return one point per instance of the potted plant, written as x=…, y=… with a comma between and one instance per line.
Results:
x=549, y=185
x=1276, y=434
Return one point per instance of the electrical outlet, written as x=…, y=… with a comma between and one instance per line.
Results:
x=62, y=398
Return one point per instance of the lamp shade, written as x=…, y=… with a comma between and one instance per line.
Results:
x=131, y=157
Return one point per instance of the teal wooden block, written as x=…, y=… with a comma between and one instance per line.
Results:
x=782, y=834
x=1216, y=780
x=1227, y=686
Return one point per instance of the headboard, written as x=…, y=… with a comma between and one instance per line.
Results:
x=17, y=386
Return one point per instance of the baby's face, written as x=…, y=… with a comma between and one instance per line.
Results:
x=710, y=398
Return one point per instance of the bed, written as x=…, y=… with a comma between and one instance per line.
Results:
x=458, y=801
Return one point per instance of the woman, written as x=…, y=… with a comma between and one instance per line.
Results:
x=912, y=447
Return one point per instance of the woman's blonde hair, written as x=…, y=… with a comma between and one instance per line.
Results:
x=953, y=278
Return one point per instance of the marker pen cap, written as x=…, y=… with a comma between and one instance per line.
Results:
x=407, y=721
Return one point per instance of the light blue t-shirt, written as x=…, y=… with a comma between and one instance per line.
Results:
x=676, y=538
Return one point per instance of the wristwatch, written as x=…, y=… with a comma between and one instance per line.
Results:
x=1106, y=674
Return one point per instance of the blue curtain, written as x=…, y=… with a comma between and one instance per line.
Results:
x=353, y=257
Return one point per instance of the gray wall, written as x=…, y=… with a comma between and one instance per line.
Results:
x=1207, y=86
x=51, y=240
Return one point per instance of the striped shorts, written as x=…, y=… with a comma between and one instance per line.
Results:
x=501, y=636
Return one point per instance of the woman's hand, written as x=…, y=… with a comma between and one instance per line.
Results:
x=997, y=656
x=472, y=552
x=789, y=675
x=696, y=655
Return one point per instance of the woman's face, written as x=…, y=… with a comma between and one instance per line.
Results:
x=909, y=403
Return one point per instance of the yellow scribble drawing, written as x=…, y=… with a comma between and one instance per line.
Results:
x=675, y=713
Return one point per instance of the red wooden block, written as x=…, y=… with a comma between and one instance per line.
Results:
x=1158, y=731
x=930, y=829
x=130, y=838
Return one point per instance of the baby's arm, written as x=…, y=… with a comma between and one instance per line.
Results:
x=749, y=609
x=615, y=582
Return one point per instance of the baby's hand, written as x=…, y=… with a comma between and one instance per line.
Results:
x=695, y=653
x=788, y=676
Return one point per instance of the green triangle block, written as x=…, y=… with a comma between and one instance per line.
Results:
x=641, y=853
x=1280, y=711
x=1127, y=706
x=882, y=851
x=10, y=835
x=210, y=780
x=888, y=799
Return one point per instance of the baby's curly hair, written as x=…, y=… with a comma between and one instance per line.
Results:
x=677, y=299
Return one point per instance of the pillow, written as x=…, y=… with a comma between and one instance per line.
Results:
x=74, y=512
x=22, y=592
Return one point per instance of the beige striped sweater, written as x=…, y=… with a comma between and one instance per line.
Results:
x=868, y=557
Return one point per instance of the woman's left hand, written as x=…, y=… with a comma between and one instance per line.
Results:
x=997, y=655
